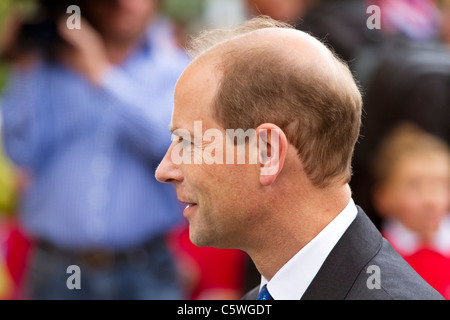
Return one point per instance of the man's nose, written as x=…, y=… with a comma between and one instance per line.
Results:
x=167, y=171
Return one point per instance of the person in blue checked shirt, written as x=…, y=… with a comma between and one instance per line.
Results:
x=89, y=124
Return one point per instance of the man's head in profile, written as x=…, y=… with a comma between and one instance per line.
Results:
x=265, y=75
x=303, y=107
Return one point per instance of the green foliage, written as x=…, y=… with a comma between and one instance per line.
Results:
x=184, y=12
x=8, y=196
x=8, y=192
x=22, y=7
x=3, y=74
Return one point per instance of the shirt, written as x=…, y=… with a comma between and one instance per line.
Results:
x=93, y=150
x=408, y=242
x=292, y=280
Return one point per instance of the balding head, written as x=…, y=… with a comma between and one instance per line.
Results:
x=261, y=77
x=268, y=72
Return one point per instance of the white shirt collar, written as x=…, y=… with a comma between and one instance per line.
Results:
x=292, y=280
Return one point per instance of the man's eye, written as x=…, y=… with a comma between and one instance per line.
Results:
x=186, y=142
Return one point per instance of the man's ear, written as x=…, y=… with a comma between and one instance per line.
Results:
x=272, y=150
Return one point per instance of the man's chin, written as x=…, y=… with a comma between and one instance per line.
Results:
x=199, y=238
x=198, y=241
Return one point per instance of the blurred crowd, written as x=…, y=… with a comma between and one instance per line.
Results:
x=84, y=124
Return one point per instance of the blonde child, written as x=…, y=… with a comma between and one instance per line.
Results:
x=412, y=194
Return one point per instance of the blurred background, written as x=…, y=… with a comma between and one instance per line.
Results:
x=77, y=173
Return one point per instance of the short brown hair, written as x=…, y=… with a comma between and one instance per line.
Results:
x=319, y=112
x=405, y=140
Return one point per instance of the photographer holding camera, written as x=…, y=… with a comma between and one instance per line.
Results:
x=85, y=113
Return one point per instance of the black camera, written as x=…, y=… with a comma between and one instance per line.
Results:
x=40, y=31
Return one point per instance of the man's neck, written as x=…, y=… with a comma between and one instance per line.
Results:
x=296, y=225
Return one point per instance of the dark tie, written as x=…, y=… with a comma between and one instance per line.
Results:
x=264, y=294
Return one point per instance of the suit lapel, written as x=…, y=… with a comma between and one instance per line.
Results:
x=357, y=246
x=252, y=294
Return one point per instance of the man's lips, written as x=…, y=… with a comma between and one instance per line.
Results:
x=189, y=205
x=189, y=209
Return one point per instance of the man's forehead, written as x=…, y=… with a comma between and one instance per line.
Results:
x=194, y=95
x=202, y=71
x=196, y=89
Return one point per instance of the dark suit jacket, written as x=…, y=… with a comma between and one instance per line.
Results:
x=345, y=274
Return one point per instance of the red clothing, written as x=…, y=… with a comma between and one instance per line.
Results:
x=434, y=268
x=14, y=250
x=431, y=262
x=208, y=268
